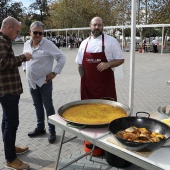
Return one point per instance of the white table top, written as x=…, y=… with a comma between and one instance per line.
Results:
x=90, y=134
x=159, y=159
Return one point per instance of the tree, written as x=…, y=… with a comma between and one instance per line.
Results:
x=3, y=9
x=72, y=13
x=153, y=12
x=76, y=13
x=26, y=22
x=148, y=12
x=16, y=10
x=39, y=9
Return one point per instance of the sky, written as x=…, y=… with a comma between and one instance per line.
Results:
x=26, y=3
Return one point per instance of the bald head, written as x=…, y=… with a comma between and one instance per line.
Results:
x=96, y=26
x=96, y=19
x=9, y=21
x=10, y=27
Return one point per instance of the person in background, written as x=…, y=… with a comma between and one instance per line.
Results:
x=96, y=58
x=155, y=43
x=57, y=41
x=144, y=45
x=40, y=73
x=79, y=41
x=10, y=91
x=71, y=42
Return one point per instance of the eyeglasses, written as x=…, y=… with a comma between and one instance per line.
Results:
x=37, y=32
x=15, y=29
x=94, y=25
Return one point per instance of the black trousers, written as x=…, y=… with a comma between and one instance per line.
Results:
x=155, y=50
x=10, y=122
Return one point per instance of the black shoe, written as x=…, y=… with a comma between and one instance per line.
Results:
x=36, y=132
x=52, y=137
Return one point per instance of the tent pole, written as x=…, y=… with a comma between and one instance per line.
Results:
x=66, y=40
x=132, y=55
x=122, y=36
x=162, y=40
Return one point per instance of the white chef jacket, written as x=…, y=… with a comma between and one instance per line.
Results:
x=42, y=61
x=112, y=48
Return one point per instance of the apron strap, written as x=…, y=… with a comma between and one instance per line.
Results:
x=87, y=44
x=103, y=47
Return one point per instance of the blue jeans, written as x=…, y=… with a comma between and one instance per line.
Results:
x=42, y=97
x=10, y=122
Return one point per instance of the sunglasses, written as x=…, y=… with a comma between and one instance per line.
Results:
x=37, y=32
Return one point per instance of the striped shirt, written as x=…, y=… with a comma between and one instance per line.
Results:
x=10, y=81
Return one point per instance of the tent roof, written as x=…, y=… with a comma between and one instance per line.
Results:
x=109, y=27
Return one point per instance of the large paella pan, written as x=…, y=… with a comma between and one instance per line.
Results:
x=92, y=112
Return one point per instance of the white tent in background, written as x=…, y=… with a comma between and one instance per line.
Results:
x=113, y=27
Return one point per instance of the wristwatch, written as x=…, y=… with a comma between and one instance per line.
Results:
x=54, y=73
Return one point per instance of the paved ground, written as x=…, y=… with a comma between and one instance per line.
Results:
x=150, y=91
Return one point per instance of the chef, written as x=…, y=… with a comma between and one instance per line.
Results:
x=96, y=58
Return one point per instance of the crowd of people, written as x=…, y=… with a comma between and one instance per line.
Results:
x=74, y=42
x=71, y=42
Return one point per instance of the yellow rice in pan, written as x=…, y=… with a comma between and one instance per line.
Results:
x=93, y=113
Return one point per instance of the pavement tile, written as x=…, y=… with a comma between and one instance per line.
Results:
x=69, y=167
x=107, y=167
x=75, y=155
x=72, y=166
x=38, y=160
x=90, y=167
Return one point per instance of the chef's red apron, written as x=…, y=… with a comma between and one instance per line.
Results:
x=96, y=84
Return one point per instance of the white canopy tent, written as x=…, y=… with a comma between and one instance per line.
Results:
x=133, y=27
x=114, y=27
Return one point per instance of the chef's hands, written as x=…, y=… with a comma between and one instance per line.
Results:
x=50, y=76
x=103, y=66
x=28, y=56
